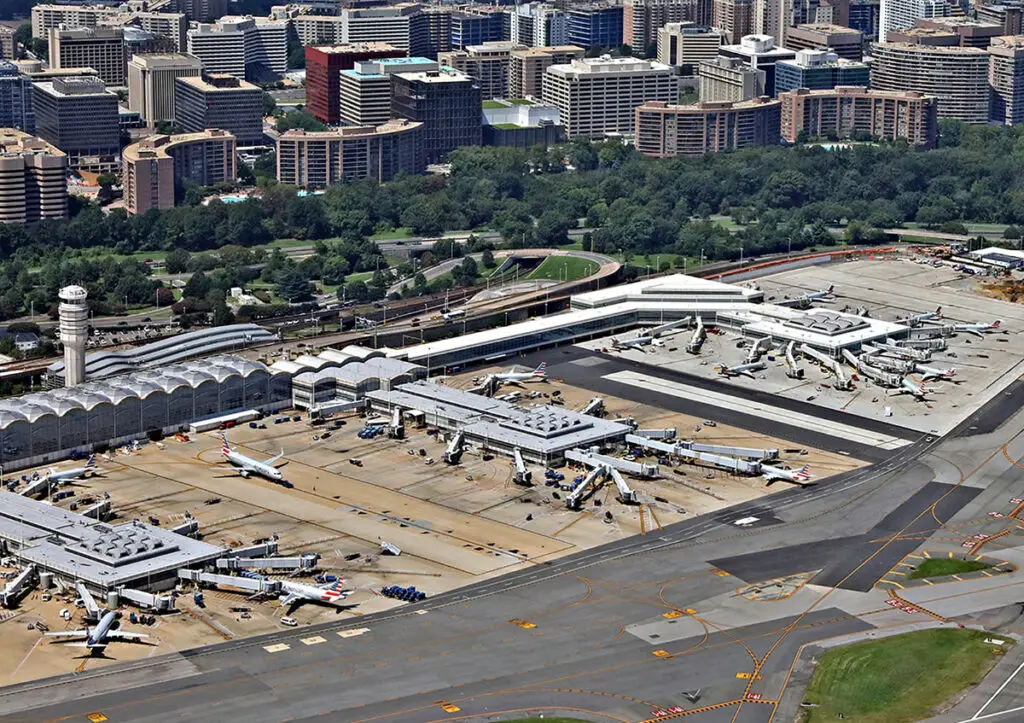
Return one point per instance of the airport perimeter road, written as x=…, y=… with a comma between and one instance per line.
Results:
x=621, y=632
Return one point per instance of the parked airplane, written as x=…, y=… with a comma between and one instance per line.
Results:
x=774, y=474
x=67, y=475
x=97, y=638
x=298, y=593
x=802, y=302
x=907, y=386
x=637, y=342
x=977, y=329
x=746, y=370
x=929, y=373
x=512, y=377
x=247, y=466
x=919, y=318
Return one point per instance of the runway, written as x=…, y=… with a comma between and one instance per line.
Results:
x=563, y=637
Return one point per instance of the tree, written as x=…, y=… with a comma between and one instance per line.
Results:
x=301, y=119
x=487, y=259
x=293, y=286
x=222, y=315
x=269, y=104
x=1011, y=233
x=198, y=286
x=552, y=228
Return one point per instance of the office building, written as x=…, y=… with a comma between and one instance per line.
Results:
x=521, y=124
x=760, y=53
x=536, y=25
x=597, y=96
x=819, y=70
x=154, y=169
x=957, y=77
x=735, y=18
x=1008, y=17
x=173, y=26
x=1006, y=78
x=728, y=80
x=488, y=64
x=34, y=71
x=320, y=159
x=33, y=178
x=865, y=16
x=7, y=44
x=365, y=90
x=844, y=42
x=16, y=99
x=100, y=48
x=319, y=29
x=439, y=29
x=446, y=102
x=686, y=45
x=202, y=11
x=968, y=33
x=526, y=79
x=475, y=28
x=251, y=48
x=642, y=19
x=151, y=84
x=772, y=18
x=324, y=65
x=404, y=26
x=902, y=14
x=47, y=17
x=664, y=130
x=595, y=25
x=219, y=101
x=79, y=116
x=852, y=112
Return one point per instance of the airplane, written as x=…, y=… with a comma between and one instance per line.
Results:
x=907, y=386
x=774, y=474
x=918, y=318
x=512, y=377
x=977, y=329
x=97, y=638
x=802, y=302
x=247, y=466
x=67, y=475
x=929, y=373
x=298, y=593
x=746, y=370
x=637, y=342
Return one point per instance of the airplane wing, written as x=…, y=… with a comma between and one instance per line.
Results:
x=288, y=599
x=68, y=634
x=84, y=645
x=118, y=635
x=514, y=383
x=274, y=459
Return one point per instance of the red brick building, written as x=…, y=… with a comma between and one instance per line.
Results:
x=323, y=66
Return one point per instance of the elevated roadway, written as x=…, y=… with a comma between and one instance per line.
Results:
x=722, y=603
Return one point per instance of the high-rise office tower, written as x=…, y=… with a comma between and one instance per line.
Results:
x=151, y=84
x=33, y=178
x=324, y=65
x=1006, y=78
x=16, y=99
x=900, y=14
x=79, y=115
x=219, y=101
x=446, y=102
x=101, y=49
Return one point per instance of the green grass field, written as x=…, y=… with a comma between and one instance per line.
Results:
x=400, y=232
x=898, y=679
x=563, y=268
x=940, y=566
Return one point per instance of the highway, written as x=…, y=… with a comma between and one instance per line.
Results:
x=619, y=632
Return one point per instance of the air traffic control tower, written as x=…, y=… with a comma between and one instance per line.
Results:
x=74, y=331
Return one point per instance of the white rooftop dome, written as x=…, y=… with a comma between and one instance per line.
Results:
x=72, y=293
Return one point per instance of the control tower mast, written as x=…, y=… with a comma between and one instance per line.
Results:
x=74, y=331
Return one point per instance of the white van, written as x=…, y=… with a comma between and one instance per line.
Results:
x=290, y=622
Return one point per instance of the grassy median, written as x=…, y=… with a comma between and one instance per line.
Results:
x=941, y=566
x=898, y=679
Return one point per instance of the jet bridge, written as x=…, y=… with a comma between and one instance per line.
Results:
x=759, y=348
x=16, y=588
x=667, y=433
x=396, y=429
x=793, y=371
x=267, y=548
x=260, y=585
x=842, y=382
x=670, y=325
x=698, y=337
x=188, y=528
x=522, y=475
x=929, y=344
x=100, y=511
x=306, y=562
x=892, y=345
x=592, y=459
x=453, y=454
x=160, y=603
x=874, y=356
x=37, y=487
x=729, y=458
x=91, y=608
x=595, y=477
x=595, y=407
x=877, y=375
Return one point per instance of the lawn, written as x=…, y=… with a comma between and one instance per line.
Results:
x=898, y=679
x=563, y=268
x=400, y=232
x=940, y=566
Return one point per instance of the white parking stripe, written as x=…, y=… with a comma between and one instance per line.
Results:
x=738, y=404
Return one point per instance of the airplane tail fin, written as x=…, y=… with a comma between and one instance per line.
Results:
x=541, y=369
x=938, y=311
x=224, y=440
x=831, y=288
x=996, y=323
x=803, y=470
x=91, y=462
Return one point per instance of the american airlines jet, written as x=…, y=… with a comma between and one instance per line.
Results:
x=97, y=638
x=247, y=466
x=67, y=475
x=796, y=476
x=297, y=592
x=510, y=377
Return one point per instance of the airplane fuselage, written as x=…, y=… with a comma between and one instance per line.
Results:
x=248, y=466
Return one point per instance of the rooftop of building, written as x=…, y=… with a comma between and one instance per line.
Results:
x=821, y=59
x=1007, y=42
x=856, y=90
x=395, y=125
x=217, y=83
x=443, y=74
x=827, y=29
x=158, y=146
x=708, y=107
x=495, y=46
x=75, y=86
x=687, y=28
x=955, y=23
x=14, y=142
x=348, y=48
x=759, y=45
x=608, y=64
x=936, y=49
x=542, y=51
x=171, y=59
